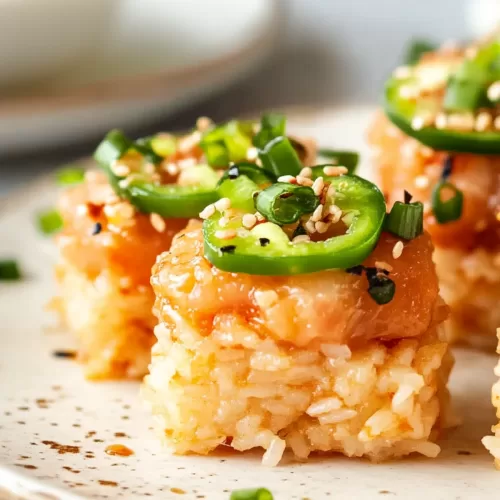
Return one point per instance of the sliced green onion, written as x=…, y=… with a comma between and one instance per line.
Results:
x=68, y=176
x=449, y=210
x=240, y=191
x=252, y=494
x=164, y=144
x=465, y=95
x=406, y=220
x=49, y=221
x=143, y=146
x=279, y=156
x=347, y=159
x=9, y=270
x=284, y=203
x=217, y=154
x=380, y=287
x=254, y=173
x=272, y=125
x=416, y=50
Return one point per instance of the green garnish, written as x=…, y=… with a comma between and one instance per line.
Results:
x=272, y=125
x=279, y=156
x=347, y=159
x=9, y=270
x=252, y=494
x=381, y=288
x=450, y=209
x=68, y=176
x=284, y=203
x=406, y=220
x=416, y=49
x=49, y=221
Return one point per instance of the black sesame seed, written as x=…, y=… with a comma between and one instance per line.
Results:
x=407, y=197
x=447, y=167
x=299, y=231
x=97, y=228
x=64, y=354
x=264, y=241
x=357, y=270
x=228, y=249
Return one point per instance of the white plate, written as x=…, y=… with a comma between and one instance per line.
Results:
x=45, y=401
x=160, y=56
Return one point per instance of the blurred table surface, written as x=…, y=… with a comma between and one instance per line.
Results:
x=331, y=52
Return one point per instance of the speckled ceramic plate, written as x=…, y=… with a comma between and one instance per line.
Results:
x=55, y=427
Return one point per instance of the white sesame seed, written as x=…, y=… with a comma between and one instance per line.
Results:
x=203, y=123
x=422, y=181
x=286, y=178
x=226, y=234
x=494, y=92
x=460, y=121
x=310, y=227
x=252, y=154
x=322, y=227
x=301, y=238
x=383, y=265
x=172, y=168
x=397, y=250
x=408, y=91
x=304, y=181
x=259, y=217
x=306, y=172
x=317, y=214
x=223, y=221
x=318, y=186
x=441, y=121
x=149, y=168
x=222, y=204
x=483, y=121
x=335, y=171
x=157, y=222
x=402, y=72
x=335, y=212
x=119, y=212
x=187, y=143
x=258, y=162
x=265, y=298
x=426, y=152
x=186, y=163
x=422, y=120
x=120, y=169
x=82, y=209
x=207, y=212
x=249, y=220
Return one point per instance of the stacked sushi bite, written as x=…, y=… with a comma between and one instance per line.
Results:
x=298, y=315
x=439, y=137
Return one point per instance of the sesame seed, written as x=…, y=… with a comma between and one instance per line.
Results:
x=310, y=227
x=402, y=72
x=322, y=227
x=335, y=171
x=186, y=163
x=207, y=212
x=265, y=298
x=397, y=250
x=149, y=169
x=120, y=169
x=441, y=121
x=264, y=242
x=226, y=234
x=306, y=172
x=222, y=204
x=172, y=168
x=189, y=142
x=421, y=181
x=317, y=214
x=258, y=162
x=259, y=217
x=252, y=154
x=157, y=222
x=318, y=186
x=203, y=123
x=422, y=120
x=408, y=91
x=97, y=228
x=426, y=152
x=483, y=121
x=119, y=212
x=82, y=209
x=286, y=178
x=383, y=265
x=304, y=181
x=460, y=121
x=301, y=238
x=493, y=91
x=228, y=249
x=223, y=221
x=249, y=221
x=335, y=212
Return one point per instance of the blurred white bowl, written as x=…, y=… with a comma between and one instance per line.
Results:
x=38, y=37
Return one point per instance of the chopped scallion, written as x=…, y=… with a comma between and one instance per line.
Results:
x=447, y=202
x=380, y=287
x=252, y=494
x=406, y=220
x=416, y=49
x=272, y=125
x=347, y=159
x=279, y=156
x=68, y=176
x=284, y=203
x=9, y=270
x=49, y=221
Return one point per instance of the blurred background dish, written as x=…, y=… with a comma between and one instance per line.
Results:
x=38, y=37
x=154, y=57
